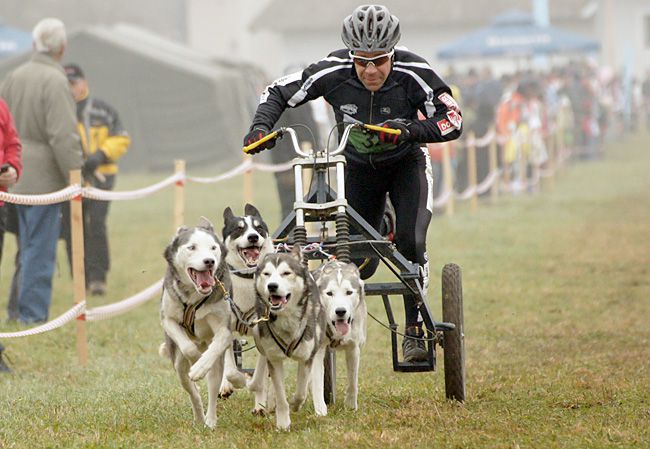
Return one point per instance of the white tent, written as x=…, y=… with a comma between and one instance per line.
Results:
x=175, y=103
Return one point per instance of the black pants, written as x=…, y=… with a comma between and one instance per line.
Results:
x=408, y=184
x=96, y=250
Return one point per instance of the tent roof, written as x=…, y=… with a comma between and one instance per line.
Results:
x=516, y=34
x=175, y=103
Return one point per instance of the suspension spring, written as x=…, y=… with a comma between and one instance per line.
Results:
x=342, y=237
x=300, y=239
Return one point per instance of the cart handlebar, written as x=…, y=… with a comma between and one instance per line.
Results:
x=279, y=133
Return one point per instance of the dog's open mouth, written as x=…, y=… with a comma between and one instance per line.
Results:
x=203, y=280
x=342, y=326
x=278, y=301
x=250, y=255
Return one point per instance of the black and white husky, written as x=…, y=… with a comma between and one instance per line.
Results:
x=197, y=320
x=247, y=240
x=295, y=329
x=342, y=295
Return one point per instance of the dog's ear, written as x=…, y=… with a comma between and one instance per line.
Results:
x=296, y=252
x=206, y=224
x=249, y=209
x=180, y=229
x=227, y=214
x=168, y=254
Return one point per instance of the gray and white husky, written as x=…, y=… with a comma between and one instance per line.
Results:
x=197, y=320
x=342, y=295
x=295, y=329
x=247, y=240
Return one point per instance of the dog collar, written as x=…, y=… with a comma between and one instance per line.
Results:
x=248, y=273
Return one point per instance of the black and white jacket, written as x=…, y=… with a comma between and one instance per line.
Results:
x=411, y=86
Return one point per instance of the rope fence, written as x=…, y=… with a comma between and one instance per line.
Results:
x=496, y=181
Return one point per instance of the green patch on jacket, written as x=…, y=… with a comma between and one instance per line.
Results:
x=367, y=142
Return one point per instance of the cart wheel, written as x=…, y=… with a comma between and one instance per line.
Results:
x=454, y=341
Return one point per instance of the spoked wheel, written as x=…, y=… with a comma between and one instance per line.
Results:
x=454, y=341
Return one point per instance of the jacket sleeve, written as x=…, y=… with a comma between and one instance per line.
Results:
x=443, y=119
x=298, y=88
x=118, y=140
x=12, y=149
x=61, y=126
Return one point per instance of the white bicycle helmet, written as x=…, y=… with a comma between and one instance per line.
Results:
x=370, y=28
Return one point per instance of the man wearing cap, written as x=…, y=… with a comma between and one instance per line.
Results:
x=38, y=97
x=104, y=141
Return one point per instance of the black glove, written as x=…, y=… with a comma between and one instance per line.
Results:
x=256, y=134
x=395, y=139
x=92, y=162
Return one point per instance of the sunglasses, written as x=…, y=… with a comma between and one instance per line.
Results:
x=375, y=60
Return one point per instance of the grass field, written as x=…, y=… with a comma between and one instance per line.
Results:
x=557, y=306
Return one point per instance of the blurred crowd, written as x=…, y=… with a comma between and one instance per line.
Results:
x=583, y=103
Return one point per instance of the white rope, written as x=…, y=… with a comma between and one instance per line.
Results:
x=489, y=180
x=59, y=321
x=466, y=194
x=59, y=196
x=108, y=195
x=238, y=170
x=483, y=141
x=121, y=307
x=273, y=167
x=442, y=199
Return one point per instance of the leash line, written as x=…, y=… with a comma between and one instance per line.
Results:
x=399, y=333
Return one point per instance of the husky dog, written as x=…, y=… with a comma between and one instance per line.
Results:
x=195, y=315
x=247, y=241
x=295, y=329
x=341, y=292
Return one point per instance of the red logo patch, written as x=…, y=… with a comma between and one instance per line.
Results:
x=449, y=101
x=445, y=126
x=455, y=119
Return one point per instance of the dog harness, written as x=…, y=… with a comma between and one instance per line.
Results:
x=288, y=349
x=242, y=323
x=189, y=315
x=246, y=274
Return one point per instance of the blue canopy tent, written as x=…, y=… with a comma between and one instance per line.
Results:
x=515, y=34
x=13, y=41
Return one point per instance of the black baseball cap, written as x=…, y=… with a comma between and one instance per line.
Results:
x=73, y=72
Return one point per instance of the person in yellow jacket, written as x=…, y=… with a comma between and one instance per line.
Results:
x=104, y=141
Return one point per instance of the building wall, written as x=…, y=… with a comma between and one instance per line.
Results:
x=621, y=29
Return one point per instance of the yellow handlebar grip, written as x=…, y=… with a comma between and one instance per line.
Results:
x=381, y=129
x=252, y=146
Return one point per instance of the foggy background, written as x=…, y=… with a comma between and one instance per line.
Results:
x=185, y=75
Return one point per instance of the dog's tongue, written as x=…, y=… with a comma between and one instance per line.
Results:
x=251, y=254
x=277, y=300
x=204, y=279
x=342, y=326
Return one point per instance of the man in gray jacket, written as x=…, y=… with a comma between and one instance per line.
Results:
x=39, y=98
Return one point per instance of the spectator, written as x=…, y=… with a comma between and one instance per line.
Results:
x=10, y=167
x=38, y=95
x=104, y=141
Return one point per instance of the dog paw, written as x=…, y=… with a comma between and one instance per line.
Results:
x=295, y=403
x=320, y=410
x=226, y=390
x=283, y=425
x=350, y=404
x=199, y=370
x=236, y=379
x=211, y=422
x=259, y=411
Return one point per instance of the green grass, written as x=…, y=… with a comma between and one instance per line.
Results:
x=557, y=305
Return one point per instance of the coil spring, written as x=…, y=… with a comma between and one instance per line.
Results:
x=300, y=239
x=342, y=237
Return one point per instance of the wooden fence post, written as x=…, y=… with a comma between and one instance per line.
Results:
x=447, y=178
x=494, y=190
x=78, y=270
x=179, y=195
x=471, y=170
